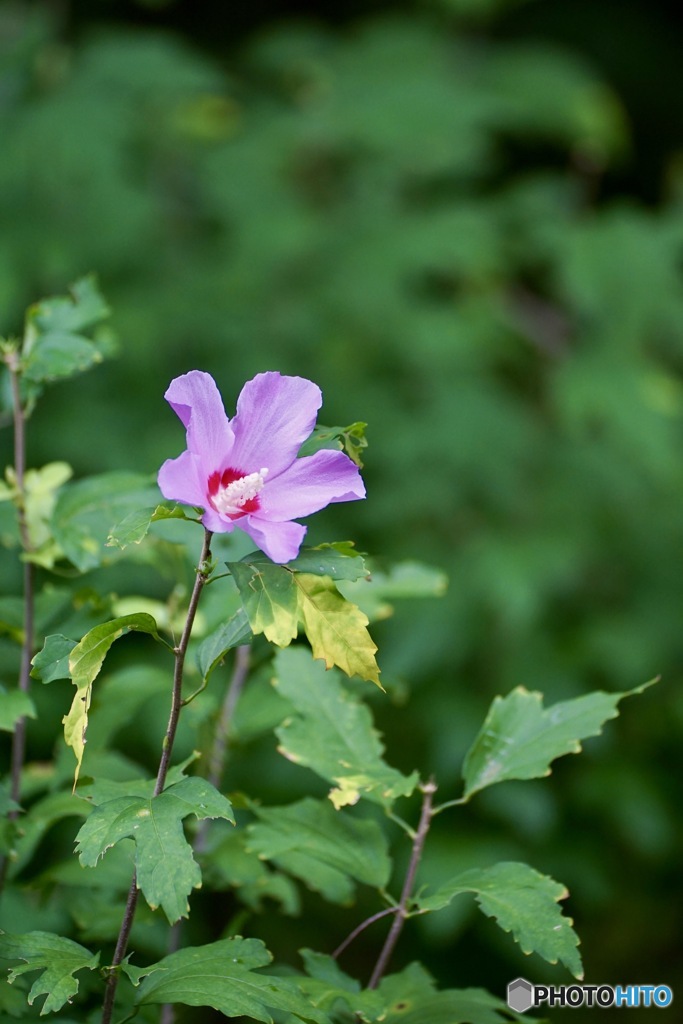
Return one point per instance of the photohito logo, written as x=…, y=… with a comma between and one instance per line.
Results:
x=523, y=996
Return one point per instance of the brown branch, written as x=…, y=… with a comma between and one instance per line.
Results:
x=428, y=791
x=27, y=647
x=164, y=763
x=361, y=928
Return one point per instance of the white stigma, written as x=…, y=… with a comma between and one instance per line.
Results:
x=230, y=500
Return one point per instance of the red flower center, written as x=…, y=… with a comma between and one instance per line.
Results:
x=234, y=493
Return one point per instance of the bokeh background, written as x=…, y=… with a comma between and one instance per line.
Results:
x=464, y=220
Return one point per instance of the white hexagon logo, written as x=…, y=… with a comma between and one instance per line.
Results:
x=520, y=995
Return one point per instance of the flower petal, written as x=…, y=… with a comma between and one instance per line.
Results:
x=216, y=523
x=280, y=541
x=195, y=398
x=182, y=479
x=275, y=415
x=310, y=484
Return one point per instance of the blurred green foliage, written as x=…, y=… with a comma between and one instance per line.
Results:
x=408, y=210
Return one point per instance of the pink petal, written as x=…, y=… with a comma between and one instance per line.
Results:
x=310, y=484
x=182, y=479
x=217, y=523
x=280, y=541
x=195, y=398
x=275, y=415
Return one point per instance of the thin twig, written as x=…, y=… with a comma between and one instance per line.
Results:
x=164, y=763
x=361, y=928
x=19, y=735
x=428, y=791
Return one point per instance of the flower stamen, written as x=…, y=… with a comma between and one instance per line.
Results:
x=236, y=494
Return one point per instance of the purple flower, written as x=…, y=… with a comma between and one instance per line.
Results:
x=245, y=472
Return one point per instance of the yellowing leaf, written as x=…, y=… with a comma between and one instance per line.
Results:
x=269, y=598
x=85, y=663
x=336, y=629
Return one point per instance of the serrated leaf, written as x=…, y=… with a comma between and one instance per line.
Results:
x=84, y=307
x=350, y=440
x=336, y=629
x=88, y=510
x=134, y=527
x=326, y=849
x=14, y=704
x=233, y=633
x=327, y=985
x=85, y=662
x=52, y=662
x=58, y=958
x=223, y=975
x=269, y=598
x=520, y=737
x=523, y=902
x=411, y=997
x=332, y=733
x=166, y=869
x=58, y=339
x=338, y=561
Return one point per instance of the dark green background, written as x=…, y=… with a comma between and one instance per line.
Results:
x=464, y=220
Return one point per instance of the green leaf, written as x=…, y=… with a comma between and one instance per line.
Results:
x=270, y=599
x=87, y=511
x=166, y=869
x=75, y=313
x=14, y=704
x=411, y=998
x=85, y=662
x=12, y=618
x=223, y=975
x=37, y=822
x=336, y=629
x=328, y=987
x=213, y=648
x=55, y=341
x=325, y=848
x=57, y=957
x=134, y=527
x=41, y=487
x=520, y=738
x=52, y=662
x=523, y=902
x=338, y=561
x=228, y=864
x=350, y=440
x=120, y=698
x=60, y=355
x=331, y=733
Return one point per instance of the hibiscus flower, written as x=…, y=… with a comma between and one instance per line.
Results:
x=244, y=472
